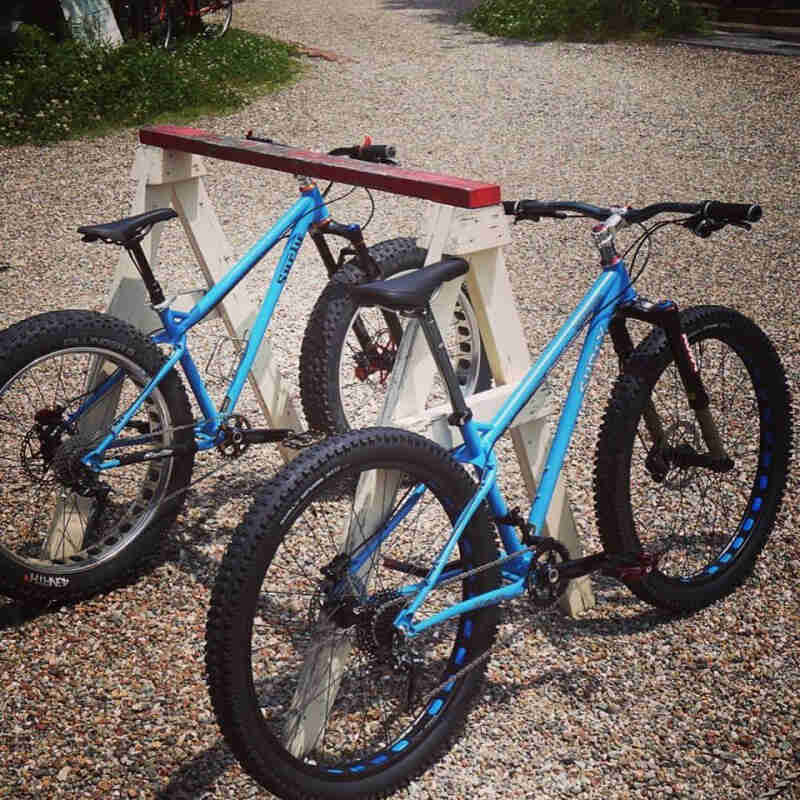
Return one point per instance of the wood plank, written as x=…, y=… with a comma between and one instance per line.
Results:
x=444, y=189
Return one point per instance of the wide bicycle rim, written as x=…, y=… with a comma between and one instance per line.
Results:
x=331, y=700
x=45, y=525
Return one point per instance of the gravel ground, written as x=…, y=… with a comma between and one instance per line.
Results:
x=106, y=698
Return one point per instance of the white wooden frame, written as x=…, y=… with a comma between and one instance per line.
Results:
x=171, y=178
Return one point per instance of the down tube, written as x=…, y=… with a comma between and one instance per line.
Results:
x=619, y=290
x=279, y=277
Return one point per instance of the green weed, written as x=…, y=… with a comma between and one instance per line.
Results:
x=585, y=20
x=51, y=91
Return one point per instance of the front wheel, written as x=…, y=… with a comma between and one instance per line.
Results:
x=316, y=691
x=348, y=352
x=68, y=531
x=653, y=493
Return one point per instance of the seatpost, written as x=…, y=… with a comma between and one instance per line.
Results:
x=461, y=413
x=139, y=259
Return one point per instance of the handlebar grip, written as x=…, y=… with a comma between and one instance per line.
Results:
x=375, y=152
x=731, y=212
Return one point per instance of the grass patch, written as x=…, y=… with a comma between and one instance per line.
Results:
x=584, y=20
x=51, y=91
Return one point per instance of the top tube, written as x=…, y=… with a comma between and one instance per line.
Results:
x=309, y=204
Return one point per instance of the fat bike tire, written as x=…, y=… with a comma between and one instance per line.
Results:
x=315, y=693
x=707, y=527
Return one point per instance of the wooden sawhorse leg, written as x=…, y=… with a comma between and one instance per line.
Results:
x=479, y=235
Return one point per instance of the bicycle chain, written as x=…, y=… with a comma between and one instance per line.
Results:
x=297, y=441
x=307, y=438
x=496, y=646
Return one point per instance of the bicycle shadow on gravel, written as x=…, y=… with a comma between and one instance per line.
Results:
x=195, y=779
x=559, y=628
x=14, y=614
x=181, y=548
x=199, y=526
x=577, y=684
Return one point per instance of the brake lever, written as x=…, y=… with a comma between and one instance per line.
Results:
x=702, y=227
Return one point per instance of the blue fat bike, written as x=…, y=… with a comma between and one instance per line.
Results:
x=357, y=603
x=97, y=435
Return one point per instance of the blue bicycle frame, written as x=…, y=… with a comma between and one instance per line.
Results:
x=309, y=209
x=594, y=312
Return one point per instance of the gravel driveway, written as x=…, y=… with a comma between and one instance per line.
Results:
x=106, y=698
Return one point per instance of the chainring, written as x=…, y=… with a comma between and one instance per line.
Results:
x=544, y=583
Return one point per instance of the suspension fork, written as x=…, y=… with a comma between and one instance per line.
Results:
x=666, y=316
x=369, y=266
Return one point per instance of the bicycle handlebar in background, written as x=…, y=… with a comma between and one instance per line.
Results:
x=706, y=217
x=376, y=153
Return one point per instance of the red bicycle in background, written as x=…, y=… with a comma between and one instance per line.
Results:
x=162, y=21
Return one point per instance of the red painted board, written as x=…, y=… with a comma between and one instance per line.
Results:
x=443, y=189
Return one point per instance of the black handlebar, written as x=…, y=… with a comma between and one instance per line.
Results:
x=376, y=153
x=715, y=211
x=706, y=217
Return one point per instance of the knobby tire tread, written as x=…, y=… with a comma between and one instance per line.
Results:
x=243, y=567
x=27, y=340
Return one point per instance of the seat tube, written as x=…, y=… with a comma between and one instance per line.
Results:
x=462, y=415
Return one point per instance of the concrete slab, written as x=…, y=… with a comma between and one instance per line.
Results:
x=743, y=43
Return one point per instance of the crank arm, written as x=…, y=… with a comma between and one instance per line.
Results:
x=621, y=566
x=266, y=435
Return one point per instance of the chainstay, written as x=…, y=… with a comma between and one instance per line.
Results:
x=495, y=647
x=225, y=465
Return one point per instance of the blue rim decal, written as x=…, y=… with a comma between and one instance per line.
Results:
x=435, y=707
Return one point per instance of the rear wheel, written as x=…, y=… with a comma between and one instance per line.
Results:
x=348, y=352
x=150, y=20
x=66, y=530
x=316, y=692
x=652, y=492
x=210, y=19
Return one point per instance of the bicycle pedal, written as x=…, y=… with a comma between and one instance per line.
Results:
x=297, y=440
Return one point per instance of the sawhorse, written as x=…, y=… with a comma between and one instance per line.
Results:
x=465, y=219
